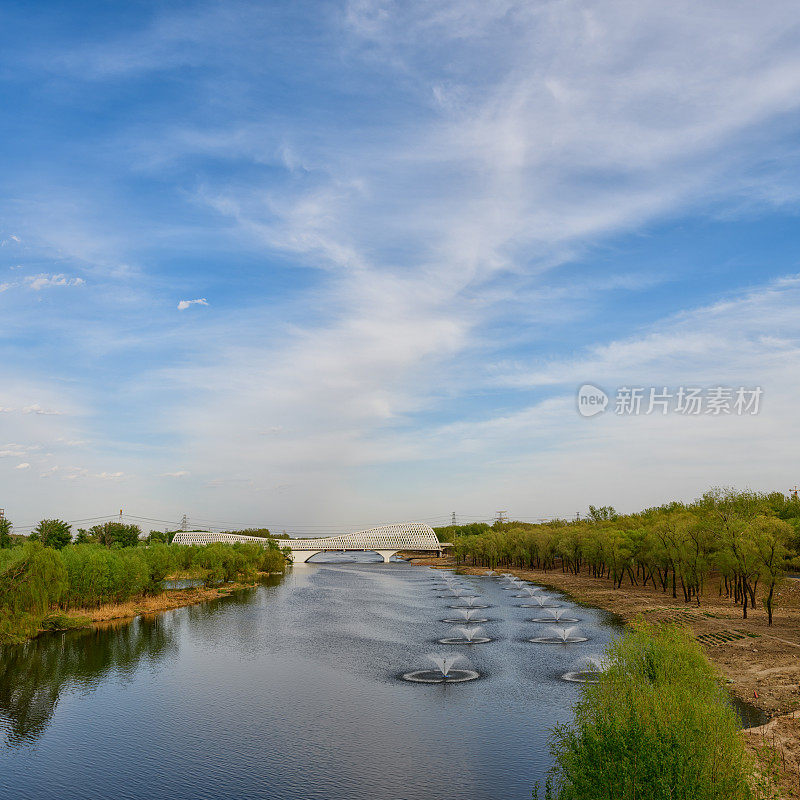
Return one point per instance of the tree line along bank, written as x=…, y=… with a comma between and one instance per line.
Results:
x=49, y=573
x=750, y=540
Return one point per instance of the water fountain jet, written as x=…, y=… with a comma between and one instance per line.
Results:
x=468, y=636
x=444, y=672
x=587, y=670
x=560, y=636
x=467, y=615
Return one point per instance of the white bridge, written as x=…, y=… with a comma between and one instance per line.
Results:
x=385, y=541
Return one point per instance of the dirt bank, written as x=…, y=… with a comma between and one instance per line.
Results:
x=777, y=746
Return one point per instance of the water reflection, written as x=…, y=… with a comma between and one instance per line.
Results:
x=34, y=675
x=291, y=691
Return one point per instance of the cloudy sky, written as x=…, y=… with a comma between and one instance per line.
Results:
x=319, y=265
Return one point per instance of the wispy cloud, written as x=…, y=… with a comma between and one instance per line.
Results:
x=184, y=304
x=35, y=408
x=420, y=238
x=45, y=281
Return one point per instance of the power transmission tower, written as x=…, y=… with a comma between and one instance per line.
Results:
x=2, y=513
x=184, y=523
x=453, y=519
x=502, y=516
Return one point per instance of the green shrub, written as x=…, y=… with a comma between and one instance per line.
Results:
x=657, y=726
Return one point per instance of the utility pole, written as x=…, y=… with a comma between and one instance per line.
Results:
x=453, y=519
x=793, y=492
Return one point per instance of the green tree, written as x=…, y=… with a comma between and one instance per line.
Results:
x=116, y=533
x=657, y=726
x=53, y=533
x=35, y=581
x=769, y=540
x=83, y=536
x=5, y=534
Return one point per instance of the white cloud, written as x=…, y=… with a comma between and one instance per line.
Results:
x=184, y=304
x=18, y=450
x=528, y=133
x=181, y=473
x=23, y=465
x=44, y=281
x=35, y=408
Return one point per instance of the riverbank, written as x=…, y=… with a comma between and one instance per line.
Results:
x=168, y=600
x=777, y=747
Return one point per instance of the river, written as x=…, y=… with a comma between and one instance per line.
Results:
x=291, y=691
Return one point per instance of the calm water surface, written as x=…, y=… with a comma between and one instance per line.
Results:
x=290, y=691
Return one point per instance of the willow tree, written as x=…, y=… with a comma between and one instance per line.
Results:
x=5, y=534
x=32, y=581
x=656, y=726
x=769, y=540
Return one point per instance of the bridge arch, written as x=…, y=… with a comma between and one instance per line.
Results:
x=385, y=540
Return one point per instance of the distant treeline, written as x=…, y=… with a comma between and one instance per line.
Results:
x=46, y=574
x=749, y=539
x=57, y=534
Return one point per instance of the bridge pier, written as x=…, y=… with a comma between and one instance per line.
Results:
x=386, y=554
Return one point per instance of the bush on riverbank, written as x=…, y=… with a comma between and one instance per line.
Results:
x=36, y=580
x=657, y=726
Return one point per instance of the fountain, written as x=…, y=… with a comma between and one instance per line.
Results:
x=461, y=594
x=470, y=601
x=444, y=672
x=530, y=591
x=560, y=636
x=466, y=615
x=468, y=636
x=489, y=572
x=540, y=601
x=587, y=670
x=555, y=615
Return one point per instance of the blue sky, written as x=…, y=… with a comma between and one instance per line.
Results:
x=416, y=229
